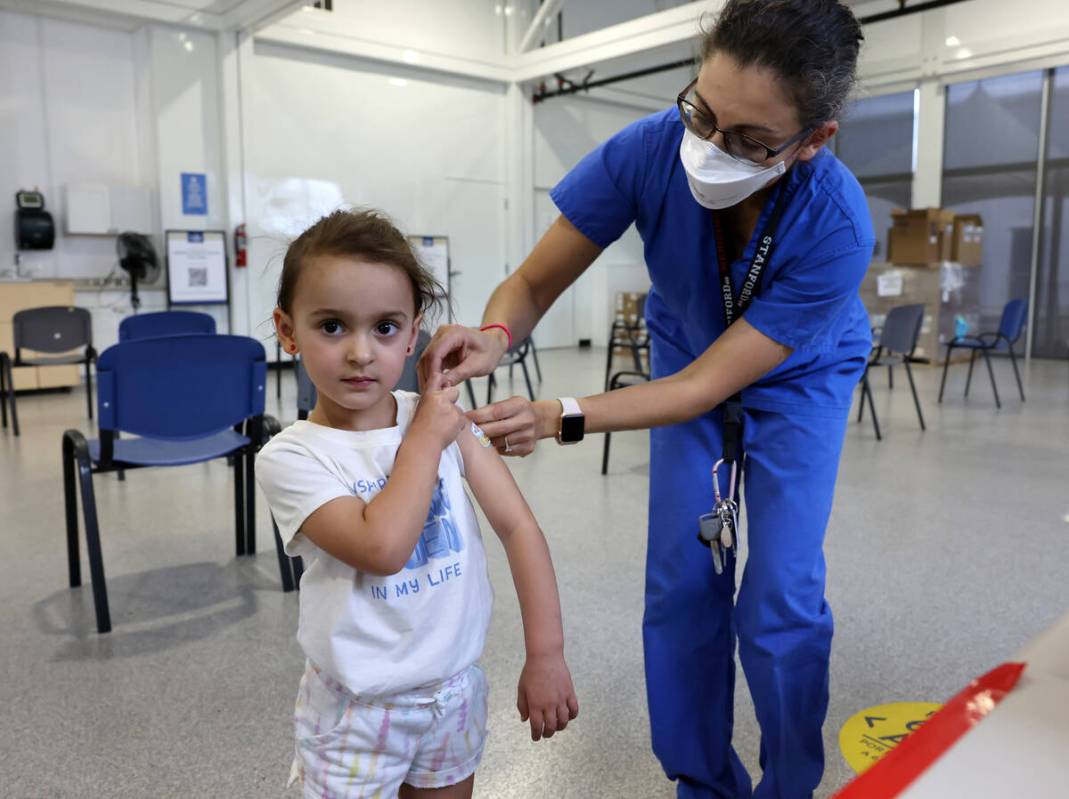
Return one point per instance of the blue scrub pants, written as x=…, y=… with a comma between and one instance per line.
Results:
x=781, y=621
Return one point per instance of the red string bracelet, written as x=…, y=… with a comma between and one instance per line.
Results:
x=500, y=326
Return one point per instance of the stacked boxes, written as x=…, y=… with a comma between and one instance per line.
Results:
x=631, y=312
x=946, y=290
x=933, y=255
x=921, y=236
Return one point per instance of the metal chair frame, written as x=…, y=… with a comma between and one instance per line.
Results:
x=899, y=343
x=29, y=333
x=79, y=467
x=1011, y=326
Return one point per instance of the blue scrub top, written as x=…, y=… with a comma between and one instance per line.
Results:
x=808, y=299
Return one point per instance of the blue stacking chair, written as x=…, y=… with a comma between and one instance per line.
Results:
x=165, y=323
x=898, y=340
x=188, y=399
x=1010, y=328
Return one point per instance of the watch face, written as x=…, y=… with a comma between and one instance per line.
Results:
x=571, y=429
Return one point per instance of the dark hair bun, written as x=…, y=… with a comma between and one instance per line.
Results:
x=811, y=44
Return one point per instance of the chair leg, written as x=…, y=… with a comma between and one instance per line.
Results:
x=864, y=393
x=991, y=374
x=285, y=570
x=10, y=375
x=890, y=377
x=70, y=502
x=605, y=455
x=527, y=379
x=916, y=399
x=968, y=378
x=490, y=382
x=122, y=472
x=3, y=387
x=608, y=358
x=471, y=395
x=89, y=388
x=872, y=410
x=250, y=501
x=239, y=504
x=946, y=366
x=538, y=367
x=1016, y=373
x=80, y=452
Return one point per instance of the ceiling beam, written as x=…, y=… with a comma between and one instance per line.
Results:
x=541, y=20
x=675, y=26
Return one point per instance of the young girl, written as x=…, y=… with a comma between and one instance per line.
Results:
x=395, y=599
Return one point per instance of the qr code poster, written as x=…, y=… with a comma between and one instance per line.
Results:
x=196, y=267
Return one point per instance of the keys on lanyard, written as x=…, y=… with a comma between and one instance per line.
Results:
x=718, y=529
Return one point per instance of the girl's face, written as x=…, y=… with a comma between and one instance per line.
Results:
x=354, y=323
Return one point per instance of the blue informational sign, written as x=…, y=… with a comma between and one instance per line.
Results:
x=194, y=194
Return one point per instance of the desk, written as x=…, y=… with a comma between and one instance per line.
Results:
x=1022, y=748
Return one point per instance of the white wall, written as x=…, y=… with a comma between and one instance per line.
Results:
x=69, y=114
x=185, y=119
x=471, y=28
x=326, y=131
x=566, y=129
x=86, y=103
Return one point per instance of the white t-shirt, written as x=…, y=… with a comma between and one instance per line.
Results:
x=380, y=635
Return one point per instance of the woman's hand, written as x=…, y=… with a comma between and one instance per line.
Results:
x=545, y=695
x=437, y=415
x=518, y=420
x=461, y=352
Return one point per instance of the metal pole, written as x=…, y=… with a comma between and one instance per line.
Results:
x=1037, y=216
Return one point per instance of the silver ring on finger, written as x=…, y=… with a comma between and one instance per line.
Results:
x=508, y=447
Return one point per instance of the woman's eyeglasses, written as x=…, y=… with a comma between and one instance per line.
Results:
x=702, y=123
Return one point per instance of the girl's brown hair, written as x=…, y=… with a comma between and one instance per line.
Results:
x=366, y=234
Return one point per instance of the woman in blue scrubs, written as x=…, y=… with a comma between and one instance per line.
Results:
x=756, y=239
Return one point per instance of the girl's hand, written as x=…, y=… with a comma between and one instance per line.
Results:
x=462, y=352
x=437, y=414
x=546, y=695
x=519, y=419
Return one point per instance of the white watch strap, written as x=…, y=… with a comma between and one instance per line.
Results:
x=570, y=406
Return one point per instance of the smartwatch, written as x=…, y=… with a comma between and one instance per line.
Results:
x=572, y=422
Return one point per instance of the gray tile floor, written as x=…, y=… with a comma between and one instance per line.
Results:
x=947, y=551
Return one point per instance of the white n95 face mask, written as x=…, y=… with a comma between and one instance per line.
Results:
x=716, y=179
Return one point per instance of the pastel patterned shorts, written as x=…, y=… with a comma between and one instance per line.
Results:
x=354, y=747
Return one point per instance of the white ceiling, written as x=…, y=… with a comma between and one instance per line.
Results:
x=130, y=14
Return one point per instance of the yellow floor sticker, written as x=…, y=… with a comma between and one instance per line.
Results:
x=869, y=735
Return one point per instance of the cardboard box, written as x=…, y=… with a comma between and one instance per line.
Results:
x=921, y=236
x=967, y=246
x=946, y=290
x=631, y=310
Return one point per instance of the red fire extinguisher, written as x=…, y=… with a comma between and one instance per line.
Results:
x=240, y=246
